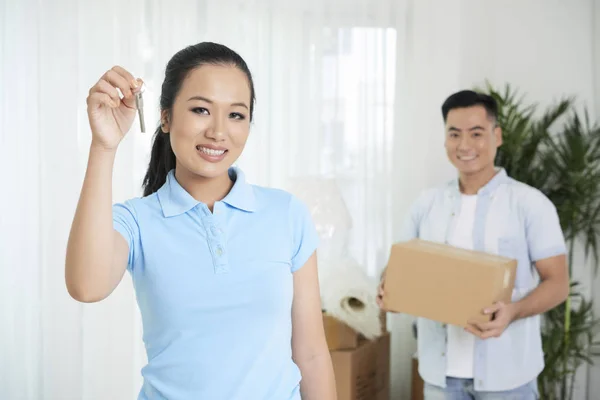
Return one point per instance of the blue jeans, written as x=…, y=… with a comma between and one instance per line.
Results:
x=462, y=389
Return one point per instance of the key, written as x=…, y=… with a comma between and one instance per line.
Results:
x=139, y=103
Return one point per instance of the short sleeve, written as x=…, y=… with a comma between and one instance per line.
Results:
x=542, y=226
x=125, y=222
x=410, y=225
x=305, y=239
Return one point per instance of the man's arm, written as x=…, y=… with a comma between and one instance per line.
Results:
x=547, y=249
x=552, y=291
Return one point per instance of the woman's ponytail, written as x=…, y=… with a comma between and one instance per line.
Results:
x=162, y=160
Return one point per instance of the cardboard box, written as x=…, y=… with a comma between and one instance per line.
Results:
x=341, y=337
x=445, y=283
x=417, y=384
x=363, y=373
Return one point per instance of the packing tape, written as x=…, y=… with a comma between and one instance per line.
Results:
x=506, y=278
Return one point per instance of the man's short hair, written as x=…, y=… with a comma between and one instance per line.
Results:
x=469, y=98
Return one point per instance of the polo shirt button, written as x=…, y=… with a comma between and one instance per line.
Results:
x=219, y=251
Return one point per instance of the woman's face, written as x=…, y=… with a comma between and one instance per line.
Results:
x=210, y=120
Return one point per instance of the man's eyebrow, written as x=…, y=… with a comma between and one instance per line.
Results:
x=477, y=127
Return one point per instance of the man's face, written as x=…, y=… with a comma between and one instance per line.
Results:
x=472, y=139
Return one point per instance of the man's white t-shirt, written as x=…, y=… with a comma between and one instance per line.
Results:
x=461, y=344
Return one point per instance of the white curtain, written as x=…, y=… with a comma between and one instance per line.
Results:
x=325, y=74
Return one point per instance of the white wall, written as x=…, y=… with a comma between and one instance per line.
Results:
x=542, y=47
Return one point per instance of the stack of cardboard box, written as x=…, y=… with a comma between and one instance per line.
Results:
x=361, y=366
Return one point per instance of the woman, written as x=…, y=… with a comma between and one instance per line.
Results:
x=225, y=272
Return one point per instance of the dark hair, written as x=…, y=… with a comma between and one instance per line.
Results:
x=162, y=158
x=469, y=98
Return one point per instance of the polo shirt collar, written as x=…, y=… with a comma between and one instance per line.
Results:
x=241, y=195
x=175, y=200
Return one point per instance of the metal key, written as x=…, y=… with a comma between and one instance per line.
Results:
x=139, y=103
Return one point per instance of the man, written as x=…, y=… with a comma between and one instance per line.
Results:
x=485, y=210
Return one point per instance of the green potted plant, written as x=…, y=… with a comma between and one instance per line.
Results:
x=558, y=152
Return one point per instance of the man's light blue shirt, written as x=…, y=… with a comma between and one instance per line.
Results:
x=514, y=220
x=215, y=290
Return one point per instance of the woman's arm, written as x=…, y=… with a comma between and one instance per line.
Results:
x=309, y=346
x=96, y=253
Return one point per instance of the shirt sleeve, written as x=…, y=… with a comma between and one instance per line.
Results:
x=305, y=239
x=410, y=226
x=125, y=222
x=542, y=228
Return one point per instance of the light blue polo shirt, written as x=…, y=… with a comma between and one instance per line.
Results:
x=215, y=289
x=511, y=219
